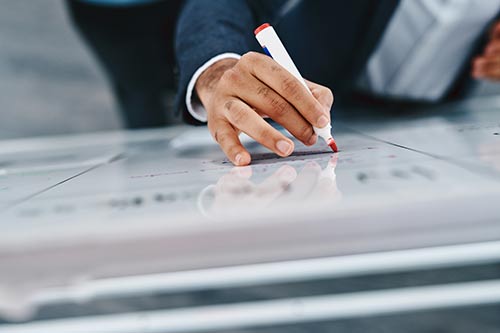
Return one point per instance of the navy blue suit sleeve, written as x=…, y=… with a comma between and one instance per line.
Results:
x=206, y=29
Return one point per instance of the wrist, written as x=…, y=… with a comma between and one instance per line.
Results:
x=207, y=82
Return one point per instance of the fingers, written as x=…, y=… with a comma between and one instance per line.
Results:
x=267, y=102
x=227, y=138
x=285, y=84
x=244, y=118
x=487, y=68
x=237, y=95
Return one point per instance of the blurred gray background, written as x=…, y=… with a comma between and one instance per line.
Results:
x=49, y=81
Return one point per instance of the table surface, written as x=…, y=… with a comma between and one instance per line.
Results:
x=119, y=204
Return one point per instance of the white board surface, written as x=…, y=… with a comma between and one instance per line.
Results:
x=119, y=204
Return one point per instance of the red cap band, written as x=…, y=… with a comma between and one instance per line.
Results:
x=262, y=27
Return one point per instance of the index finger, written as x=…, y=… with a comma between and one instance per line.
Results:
x=288, y=86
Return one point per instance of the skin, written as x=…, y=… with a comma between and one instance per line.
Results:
x=237, y=94
x=487, y=65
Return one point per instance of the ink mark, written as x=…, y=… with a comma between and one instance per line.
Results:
x=269, y=156
x=426, y=173
x=214, y=169
x=118, y=203
x=477, y=127
x=286, y=187
x=63, y=209
x=32, y=212
x=174, y=197
x=165, y=197
x=496, y=133
x=124, y=203
x=160, y=174
x=362, y=177
x=400, y=174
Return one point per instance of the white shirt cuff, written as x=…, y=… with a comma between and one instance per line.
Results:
x=193, y=104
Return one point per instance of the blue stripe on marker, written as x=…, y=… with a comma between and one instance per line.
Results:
x=266, y=51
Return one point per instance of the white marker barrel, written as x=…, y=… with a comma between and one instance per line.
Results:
x=270, y=42
x=272, y=45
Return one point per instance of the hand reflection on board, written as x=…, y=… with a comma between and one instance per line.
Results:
x=235, y=192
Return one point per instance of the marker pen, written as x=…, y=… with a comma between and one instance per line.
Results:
x=272, y=46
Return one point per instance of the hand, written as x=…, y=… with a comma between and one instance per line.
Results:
x=238, y=93
x=487, y=66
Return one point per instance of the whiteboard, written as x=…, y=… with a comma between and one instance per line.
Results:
x=104, y=205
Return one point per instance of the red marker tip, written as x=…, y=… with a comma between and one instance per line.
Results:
x=333, y=145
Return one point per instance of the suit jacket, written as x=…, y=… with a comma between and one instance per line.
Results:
x=329, y=40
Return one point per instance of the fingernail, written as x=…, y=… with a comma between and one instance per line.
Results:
x=284, y=147
x=238, y=158
x=323, y=121
x=242, y=159
x=312, y=140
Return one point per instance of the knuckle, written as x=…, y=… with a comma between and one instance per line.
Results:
x=276, y=68
x=263, y=91
x=216, y=135
x=250, y=57
x=280, y=108
x=221, y=138
x=231, y=76
x=290, y=86
x=238, y=115
x=224, y=140
x=229, y=106
x=214, y=130
x=305, y=131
